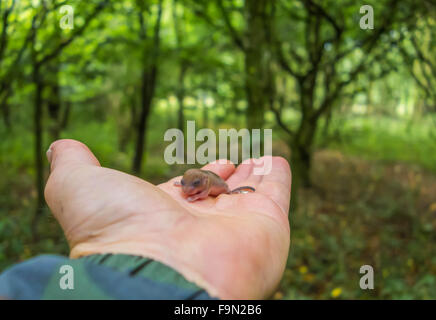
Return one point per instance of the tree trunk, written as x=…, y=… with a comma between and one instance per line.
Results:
x=256, y=63
x=326, y=137
x=149, y=74
x=181, y=97
x=147, y=92
x=126, y=131
x=6, y=113
x=183, y=65
x=301, y=158
x=53, y=99
x=205, y=110
x=65, y=116
x=39, y=166
x=54, y=103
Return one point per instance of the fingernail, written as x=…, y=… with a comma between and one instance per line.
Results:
x=48, y=153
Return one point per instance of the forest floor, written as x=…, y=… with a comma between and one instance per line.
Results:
x=362, y=212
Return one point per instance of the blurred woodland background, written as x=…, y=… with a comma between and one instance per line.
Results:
x=353, y=110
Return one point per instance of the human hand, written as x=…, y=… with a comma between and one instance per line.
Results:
x=234, y=246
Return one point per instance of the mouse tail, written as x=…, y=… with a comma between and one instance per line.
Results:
x=244, y=189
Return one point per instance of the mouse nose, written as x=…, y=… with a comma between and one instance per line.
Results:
x=189, y=190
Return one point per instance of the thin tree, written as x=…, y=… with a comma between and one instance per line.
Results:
x=150, y=59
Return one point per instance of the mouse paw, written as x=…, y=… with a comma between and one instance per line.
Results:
x=195, y=198
x=200, y=196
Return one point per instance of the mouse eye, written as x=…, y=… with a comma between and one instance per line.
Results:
x=182, y=182
x=196, y=183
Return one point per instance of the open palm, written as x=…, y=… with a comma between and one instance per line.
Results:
x=235, y=246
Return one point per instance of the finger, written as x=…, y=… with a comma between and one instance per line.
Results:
x=277, y=183
x=62, y=154
x=243, y=175
x=67, y=151
x=223, y=168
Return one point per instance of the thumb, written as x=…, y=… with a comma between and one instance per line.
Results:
x=62, y=155
x=67, y=151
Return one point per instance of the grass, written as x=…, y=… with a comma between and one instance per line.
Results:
x=388, y=139
x=363, y=213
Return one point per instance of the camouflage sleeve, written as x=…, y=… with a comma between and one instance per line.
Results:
x=106, y=276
